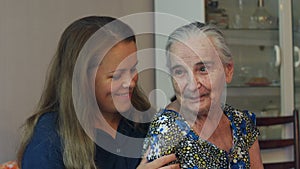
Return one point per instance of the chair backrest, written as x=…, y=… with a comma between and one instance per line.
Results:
x=9, y=165
x=281, y=143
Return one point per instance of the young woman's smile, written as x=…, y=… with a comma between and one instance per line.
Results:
x=116, y=77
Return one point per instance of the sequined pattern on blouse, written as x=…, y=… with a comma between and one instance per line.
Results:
x=170, y=133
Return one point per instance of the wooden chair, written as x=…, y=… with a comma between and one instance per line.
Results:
x=281, y=143
x=9, y=165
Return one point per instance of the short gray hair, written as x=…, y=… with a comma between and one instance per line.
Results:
x=195, y=29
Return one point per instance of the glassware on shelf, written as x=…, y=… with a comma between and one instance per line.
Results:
x=241, y=75
x=261, y=18
x=252, y=23
x=217, y=16
x=239, y=18
x=259, y=78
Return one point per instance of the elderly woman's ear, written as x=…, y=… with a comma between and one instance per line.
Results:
x=229, y=68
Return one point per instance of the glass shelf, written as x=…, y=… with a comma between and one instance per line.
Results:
x=247, y=29
x=256, y=37
x=259, y=91
x=251, y=86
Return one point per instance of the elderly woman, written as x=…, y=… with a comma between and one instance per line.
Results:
x=198, y=126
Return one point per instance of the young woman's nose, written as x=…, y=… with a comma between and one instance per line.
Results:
x=129, y=80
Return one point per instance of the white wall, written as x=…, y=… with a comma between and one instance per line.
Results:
x=180, y=13
x=29, y=33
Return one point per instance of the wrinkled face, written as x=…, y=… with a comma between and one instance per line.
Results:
x=116, y=77
x=198, y=74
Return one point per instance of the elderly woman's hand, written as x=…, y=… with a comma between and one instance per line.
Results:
x=159, y=163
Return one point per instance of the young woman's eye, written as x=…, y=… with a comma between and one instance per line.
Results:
x=133, y=70
x=116, y=76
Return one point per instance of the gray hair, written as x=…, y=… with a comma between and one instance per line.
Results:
x=195, y=29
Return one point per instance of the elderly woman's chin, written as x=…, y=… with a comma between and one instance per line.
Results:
x=199, y=107
x=191, y=107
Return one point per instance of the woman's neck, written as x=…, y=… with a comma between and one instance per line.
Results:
x=204, y=123
x=109, y=123
x=207, y=122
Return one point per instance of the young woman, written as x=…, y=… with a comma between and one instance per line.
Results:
x=85, y=118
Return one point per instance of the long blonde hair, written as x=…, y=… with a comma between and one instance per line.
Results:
x=78, y=148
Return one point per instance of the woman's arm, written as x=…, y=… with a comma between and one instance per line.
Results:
x=44, y=151
x=255, y=157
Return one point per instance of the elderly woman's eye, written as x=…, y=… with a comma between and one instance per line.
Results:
x=203, y=69
x=178, y=72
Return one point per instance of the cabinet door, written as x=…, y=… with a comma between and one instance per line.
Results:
x=253, y=34
x=256, y=81
x=263, y=55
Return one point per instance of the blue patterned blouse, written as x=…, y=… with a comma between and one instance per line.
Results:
x=170, y=133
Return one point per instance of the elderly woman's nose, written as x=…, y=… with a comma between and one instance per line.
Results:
x=194, y=82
